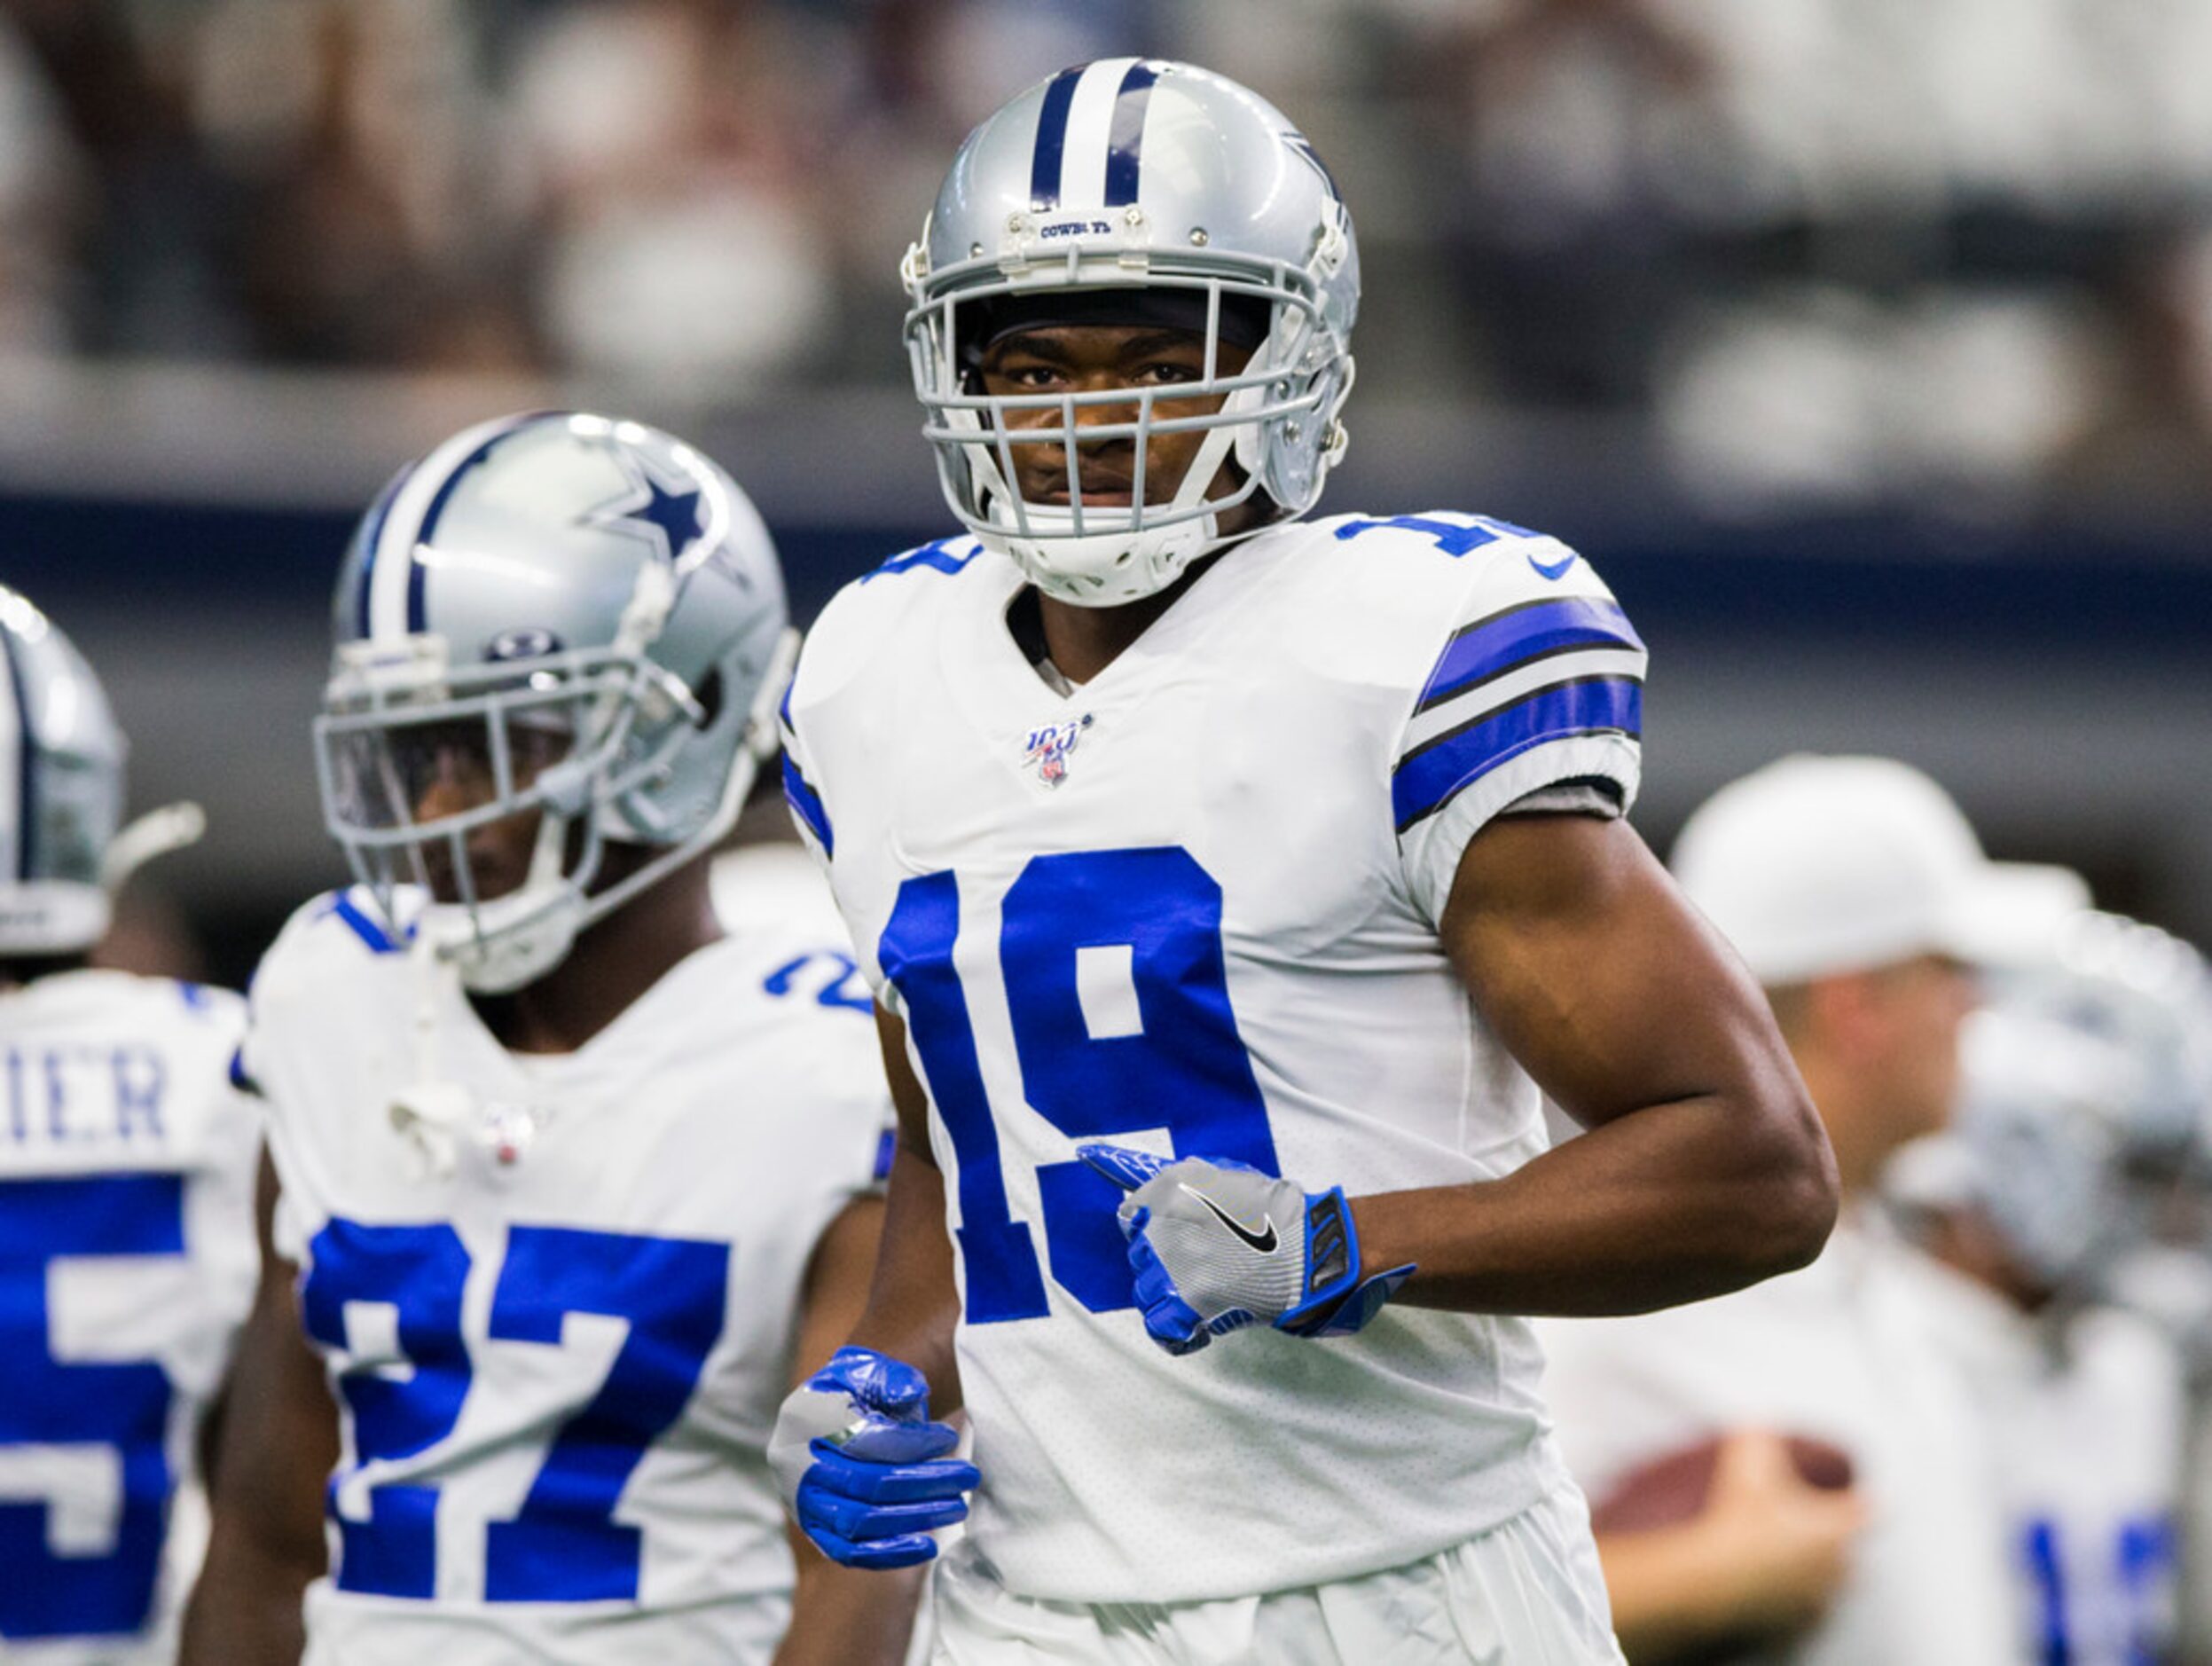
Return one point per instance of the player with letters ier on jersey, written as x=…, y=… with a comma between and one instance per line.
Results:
x=1230, y=882
x=126, y=1179
x=562, y=1174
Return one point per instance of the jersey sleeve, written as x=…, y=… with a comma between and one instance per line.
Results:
x=284, y=1003
x=809, y=816
x=1536, y=683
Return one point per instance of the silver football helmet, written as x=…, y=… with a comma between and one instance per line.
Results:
x=62, y=856
x=2085, y=1103
x=1202, y=205
x=552, y=613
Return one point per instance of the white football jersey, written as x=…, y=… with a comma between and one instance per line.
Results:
x=2084, y=1432
x=777, y=884
x=1192, y=906
x=1844, y=1351
x=127, y=1265
x=556, y=1295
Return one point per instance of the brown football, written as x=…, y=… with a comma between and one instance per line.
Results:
x=1672, y=1487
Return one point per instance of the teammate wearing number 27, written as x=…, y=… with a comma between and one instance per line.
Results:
x=561, y=1172
x=1231, y=883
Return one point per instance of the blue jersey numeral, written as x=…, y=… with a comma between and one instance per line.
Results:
x=43, y=1402
x=1182, y=1067
x=2141, y=1567
x=1456, y=537
x=564, y=1544
x=418, y=1271
x=841, y=984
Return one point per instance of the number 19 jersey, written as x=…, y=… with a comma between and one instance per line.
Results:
x=556, y=1295
x=1192, y=906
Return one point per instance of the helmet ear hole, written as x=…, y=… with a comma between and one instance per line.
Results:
x=709, y=695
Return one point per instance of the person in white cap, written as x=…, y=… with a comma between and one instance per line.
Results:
x=1860, y=901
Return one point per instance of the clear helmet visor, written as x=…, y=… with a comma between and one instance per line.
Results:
x=429, y=774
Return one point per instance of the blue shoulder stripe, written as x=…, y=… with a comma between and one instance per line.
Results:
x=806, y=803
x=1517, y=636
x=1430, y=775
x=380, y=941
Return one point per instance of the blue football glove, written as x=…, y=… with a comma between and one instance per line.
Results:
x=1217, y=1245
x=862, y=1468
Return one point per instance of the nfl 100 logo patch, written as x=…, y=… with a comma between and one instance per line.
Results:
x=1048, y=747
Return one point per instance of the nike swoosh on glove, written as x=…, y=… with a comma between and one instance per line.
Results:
x=1216, y=1246
x=861, y=1467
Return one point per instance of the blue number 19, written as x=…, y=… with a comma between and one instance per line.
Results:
x=1184, y=1069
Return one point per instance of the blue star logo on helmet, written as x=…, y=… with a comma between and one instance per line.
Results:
x=670, y=518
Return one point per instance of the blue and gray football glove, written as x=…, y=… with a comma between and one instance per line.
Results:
x=863, y=1470
x=1217, y=1245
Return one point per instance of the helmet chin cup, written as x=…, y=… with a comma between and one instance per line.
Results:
x=501, y=946
x=1102, y=569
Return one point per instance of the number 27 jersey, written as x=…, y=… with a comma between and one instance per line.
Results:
x=1192, y=906
x=559, y=1313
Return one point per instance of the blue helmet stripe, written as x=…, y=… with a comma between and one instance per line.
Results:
x=1124, y=141
x=372, y=535
x=417, y=611
x=1052, y=139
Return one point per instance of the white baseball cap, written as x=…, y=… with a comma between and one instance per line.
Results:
x=1815, y=866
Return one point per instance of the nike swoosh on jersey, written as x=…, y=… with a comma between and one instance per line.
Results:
x=1265, y=1243
x=1552, y=570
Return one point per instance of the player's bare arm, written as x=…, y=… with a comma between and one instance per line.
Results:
x=841, y=1616
x=1704, y=1168
x=914, y=1303
x=279, y=1444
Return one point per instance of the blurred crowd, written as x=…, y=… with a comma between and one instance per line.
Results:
x=1823, y=245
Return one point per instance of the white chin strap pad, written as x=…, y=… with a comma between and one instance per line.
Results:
x=1104, y=569
x=510, y=941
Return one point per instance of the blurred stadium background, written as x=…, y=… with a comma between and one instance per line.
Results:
x=1866, y=345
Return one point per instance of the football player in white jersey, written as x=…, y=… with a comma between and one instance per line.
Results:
x=2084, y=1104
x=1231, y=883
x=564, y=1176
x=127, y=1259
